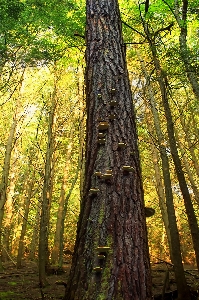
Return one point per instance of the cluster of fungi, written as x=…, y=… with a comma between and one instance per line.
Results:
x=102, y=128
x=108, y=175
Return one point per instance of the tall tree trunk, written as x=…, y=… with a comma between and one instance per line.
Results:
x=192, y=149
x=35, y=234
x=161, y=196
x=163, y=84
x=28, y=194
x=111, y=259
x=8, y=209
x=188, y=170
x=62, y=198
x=61, y=239
x=184, y=51
x=155, y=149
x=46, y=198
x=175, y=240
x=81, y=129
x=4, y=179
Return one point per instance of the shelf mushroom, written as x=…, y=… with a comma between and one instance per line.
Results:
x=97, y=269
x=101, y=256
x=93, y=191
x=106, y=176
x=127, y=169
x=109, y=171
x=113, y=103
x=101, y=135
x=101, y=141
x=121, y=145
x=99, y=96
x=98, y=174
x=102, y=249
x=113, y=91
x=103, y=126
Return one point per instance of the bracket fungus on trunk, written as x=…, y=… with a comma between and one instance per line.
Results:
x=121, y=145
x=103, y=126
x=113, y=103
x=97, y=269
x=101, y=135
x=102, y=249
x=93, y=191
x=106, y=176
x=113, y=92
x=127, y=169
x=101, y=256
x=98, y=174
x=112, y=117
x=101, y=141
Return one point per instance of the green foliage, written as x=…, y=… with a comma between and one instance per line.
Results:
x=10, y=14
x=36, y=30
x=12, y=283
x=7, y=295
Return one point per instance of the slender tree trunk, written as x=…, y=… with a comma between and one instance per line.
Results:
x=195, y=124
x=56, y=246
x=61, y=239
x=184, y=51
x=175, y=240
x=161, y=197
x=4, y=180
x=190, y=145
x=111, y=259
x=28, y=195
x=154, y=149
x=46, y=199
x=163, y=84
x=35, y=234
x=188, y=171
x=8, y=209
x=81, y=129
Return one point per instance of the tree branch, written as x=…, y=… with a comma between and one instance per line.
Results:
x=140, y=33
x=146, y=6
x=164, y=29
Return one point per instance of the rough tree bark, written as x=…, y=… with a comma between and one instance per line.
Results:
x=111, y=259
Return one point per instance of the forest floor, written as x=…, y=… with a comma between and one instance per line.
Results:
x=22, y=284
